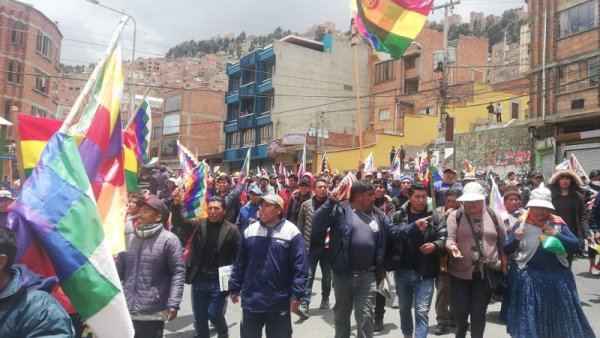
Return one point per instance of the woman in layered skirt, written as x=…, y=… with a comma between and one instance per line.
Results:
x=542, y=300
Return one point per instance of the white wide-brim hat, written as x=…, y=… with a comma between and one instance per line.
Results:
x=540, y=197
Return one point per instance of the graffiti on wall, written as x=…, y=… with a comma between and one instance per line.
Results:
x=502, y=150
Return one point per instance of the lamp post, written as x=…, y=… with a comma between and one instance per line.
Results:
x=131, y=78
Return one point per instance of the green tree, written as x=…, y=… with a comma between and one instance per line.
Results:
x=320, y=33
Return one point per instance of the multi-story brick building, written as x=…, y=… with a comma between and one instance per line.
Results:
x=30, y=46
x=195, y=118
x=504, y=64
x=564, y=77
x=524, y=49
x=405, y=91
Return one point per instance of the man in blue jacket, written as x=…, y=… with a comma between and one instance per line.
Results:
x=26, y=307
x=270, y=272
x=357, y=240
x=249, y=211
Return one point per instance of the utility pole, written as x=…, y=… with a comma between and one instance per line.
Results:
x=441, y=142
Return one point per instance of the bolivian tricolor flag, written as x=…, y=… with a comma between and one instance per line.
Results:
x=396, y=23
x=34, y=133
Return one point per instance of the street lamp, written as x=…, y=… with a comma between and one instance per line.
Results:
x=131, y=78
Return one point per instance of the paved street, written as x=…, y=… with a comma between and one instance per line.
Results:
x=320, y=323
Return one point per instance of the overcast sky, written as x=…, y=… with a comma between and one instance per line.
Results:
x=162, y=24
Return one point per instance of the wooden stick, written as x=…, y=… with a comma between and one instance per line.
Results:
x=134, y=113
x=85, y=92
x=357, y=85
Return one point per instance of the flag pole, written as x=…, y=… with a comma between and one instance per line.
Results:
x=85, y=92
x=354, y=42
x=134, y=113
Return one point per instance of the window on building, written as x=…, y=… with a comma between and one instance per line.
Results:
x=578, y=75
x=173, y=103
x=171, y=124
x=248, y=138
x=8, y=104
x=232, y=140
x=411, y=85
x=411, y=62
x=41, y=82
x=38, y=112
x=168, y=146
x=156, y=132
x=268, y=101
x=44, y=45
x=427, y=111
x=384, y=114
x=594, y=71
x=384, y=71
x=17, y=33
x=578, y=19
x=15, y=70
x=266, y=133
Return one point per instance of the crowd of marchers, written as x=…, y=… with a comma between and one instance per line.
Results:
x=265, y=236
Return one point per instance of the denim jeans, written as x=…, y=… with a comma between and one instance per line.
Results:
x=411, y=288
x=316, y=256
x=209, y=302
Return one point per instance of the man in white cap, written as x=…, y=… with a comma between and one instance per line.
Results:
x=272, y=250
x=6, y=199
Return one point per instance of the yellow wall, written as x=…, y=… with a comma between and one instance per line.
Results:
x=465, y=117
x=348, y=159
x=421, y=130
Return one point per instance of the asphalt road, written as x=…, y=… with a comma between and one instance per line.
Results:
x=320, y=323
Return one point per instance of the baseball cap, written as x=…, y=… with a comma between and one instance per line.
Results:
x=264, y=177
x=155, y=203
x=536, y=173
x=272, y=199
x=256, y=190
x=304, y=181
x=6, y=194
x=450, y=169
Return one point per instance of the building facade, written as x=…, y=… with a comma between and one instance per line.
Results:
x=505, y=62
x=289, y=90
x=30, y=46
x=564, y=77
x=406, y=92
x=195, y=118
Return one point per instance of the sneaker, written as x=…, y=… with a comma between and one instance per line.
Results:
x=594, y=270
x=302, y=311
x=440, y=330
x=378, y=324
x=325, y=303
x=395, y=303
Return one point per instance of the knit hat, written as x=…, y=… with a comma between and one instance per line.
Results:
x=407, y=178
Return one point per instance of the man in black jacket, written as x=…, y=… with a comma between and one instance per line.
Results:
x=214, y=244
x=416, y=259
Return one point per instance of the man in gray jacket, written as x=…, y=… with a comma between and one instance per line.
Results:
x=152, y=270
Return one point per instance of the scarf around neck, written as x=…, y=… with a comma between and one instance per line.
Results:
x=147, y=230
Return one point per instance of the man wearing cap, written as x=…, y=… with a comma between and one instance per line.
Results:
x=535, y=179
x=446, y=183
x=152, y=270
x=214, y=245
x=300, y=196
x=264, y=185
x=270, y=272
x=394, y=188
x=405, y=183
x=274, y=183
x=249, y=211
x=5, y=200
x=314, y=242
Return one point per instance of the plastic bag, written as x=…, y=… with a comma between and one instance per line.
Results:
x=553, y=245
